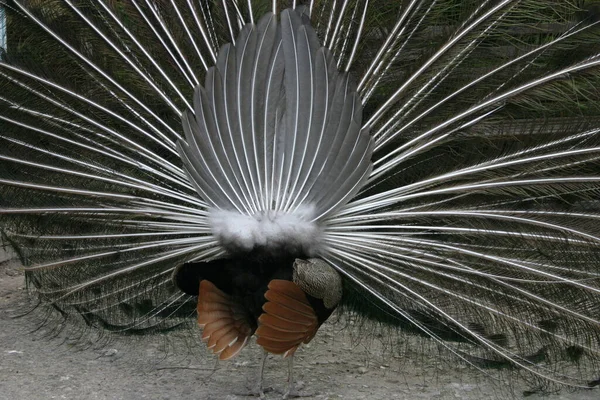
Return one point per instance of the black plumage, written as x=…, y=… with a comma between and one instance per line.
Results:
x=245, y=278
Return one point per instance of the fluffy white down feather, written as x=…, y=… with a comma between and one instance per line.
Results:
x=274, y=230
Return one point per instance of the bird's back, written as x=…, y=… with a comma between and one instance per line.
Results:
x=244, y=276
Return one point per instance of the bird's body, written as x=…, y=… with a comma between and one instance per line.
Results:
x=432, y=164
x=271, y=90
x=245, y=277
x=242, y=286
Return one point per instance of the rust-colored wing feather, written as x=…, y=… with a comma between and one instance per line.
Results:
x=226, y=328
x=288, y=319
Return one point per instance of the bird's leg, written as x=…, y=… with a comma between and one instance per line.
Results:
x=255, y=387
x=292, y=391
x=261, y=371
x=290, y=377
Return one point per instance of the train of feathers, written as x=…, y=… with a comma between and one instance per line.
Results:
x=429, y=165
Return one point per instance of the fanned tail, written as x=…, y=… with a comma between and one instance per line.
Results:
x=276, y=134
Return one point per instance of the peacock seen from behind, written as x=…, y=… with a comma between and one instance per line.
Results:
x=433, y=165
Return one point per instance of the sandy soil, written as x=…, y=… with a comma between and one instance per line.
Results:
x=37, y=365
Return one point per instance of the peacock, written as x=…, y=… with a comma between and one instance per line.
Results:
x=429, y=165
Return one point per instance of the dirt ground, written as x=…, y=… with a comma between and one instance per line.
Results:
x=38, y=365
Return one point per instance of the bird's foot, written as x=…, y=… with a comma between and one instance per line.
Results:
x=297, y=391
x=255, y=391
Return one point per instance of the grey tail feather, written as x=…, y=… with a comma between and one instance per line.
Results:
x=275, y=124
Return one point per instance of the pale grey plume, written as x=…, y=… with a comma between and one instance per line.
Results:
x=276, y=133
x=454, y=186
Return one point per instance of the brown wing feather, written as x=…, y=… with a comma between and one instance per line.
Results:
x=288, y=319
x=280, y=324
x=226, y=329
